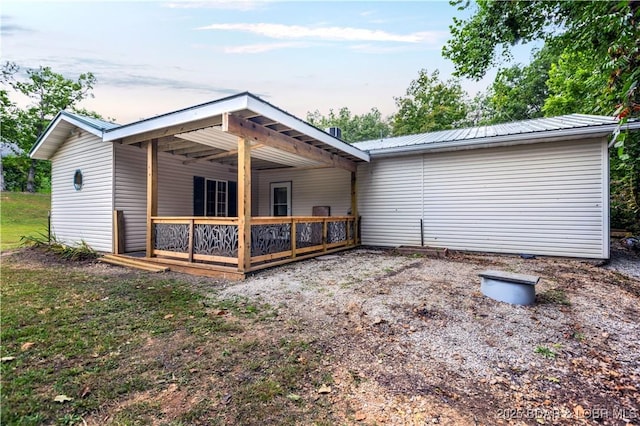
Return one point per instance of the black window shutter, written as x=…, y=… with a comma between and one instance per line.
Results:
x=198, y=196
x=232, y=208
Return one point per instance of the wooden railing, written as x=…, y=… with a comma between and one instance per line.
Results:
x=273, y=239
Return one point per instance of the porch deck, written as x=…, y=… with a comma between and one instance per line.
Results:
x=209, y=246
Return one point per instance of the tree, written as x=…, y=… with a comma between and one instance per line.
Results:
x=49, y=93
x=574, y=86
x=429, y=105
x=519, y=92
x=355, y=128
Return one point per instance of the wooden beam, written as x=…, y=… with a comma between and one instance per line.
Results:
x=220, y=155
x=354, y=205
x=255, y=132
x=194, y=148
x=174, y=144
x=172, y=130
x=244, y=205
x=294, y=169
x=118, y=232
x=152, y=191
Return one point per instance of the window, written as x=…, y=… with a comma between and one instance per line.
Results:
x=281, y=199
x=77, y=180
x=216, y=198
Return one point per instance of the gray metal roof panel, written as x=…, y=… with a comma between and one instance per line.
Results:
x=468, y=135
x=93, y=122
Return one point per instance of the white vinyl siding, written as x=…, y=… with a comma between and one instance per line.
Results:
x=84, y=215
x=545, y=199
x=175, y=188
x=390, y=201
x=309, y=188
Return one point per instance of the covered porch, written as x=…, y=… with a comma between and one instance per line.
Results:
x=262, y=212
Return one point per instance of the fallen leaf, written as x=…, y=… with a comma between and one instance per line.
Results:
x=85, y=391
x=324, y=389
x=7, y=358
x=360, y=416
x=62, y=398
x=294, y=397
x=26, y=346
x=168, y=316
x=226, y=399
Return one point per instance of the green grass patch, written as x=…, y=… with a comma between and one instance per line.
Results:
x=127, y=346
x=22, y=214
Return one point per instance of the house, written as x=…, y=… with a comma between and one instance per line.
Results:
x=237, y=185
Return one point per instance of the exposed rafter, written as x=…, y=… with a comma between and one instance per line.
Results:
x=255, y=132
x=220, y=155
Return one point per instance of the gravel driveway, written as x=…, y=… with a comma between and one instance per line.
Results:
x=413, y=341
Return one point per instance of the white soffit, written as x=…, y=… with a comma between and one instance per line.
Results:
x=216, y=138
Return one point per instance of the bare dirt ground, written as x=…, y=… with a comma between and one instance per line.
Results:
x=412, y=341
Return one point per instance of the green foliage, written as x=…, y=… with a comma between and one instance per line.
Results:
x=519, y=92
x=355, y=128
x=49, y=93
x=80, y=251
x=574, y=86
x=429, y=105
x=545, y=352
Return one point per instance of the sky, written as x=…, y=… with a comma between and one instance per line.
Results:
x=152, y=57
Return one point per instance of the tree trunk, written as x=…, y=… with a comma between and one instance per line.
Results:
x=31, y=177
x=2, y=187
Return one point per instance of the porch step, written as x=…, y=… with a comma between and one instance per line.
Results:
x=129, y=262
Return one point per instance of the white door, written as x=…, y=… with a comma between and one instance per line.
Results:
x=281, y=199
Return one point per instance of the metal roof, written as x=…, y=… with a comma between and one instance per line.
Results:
x=61, y=127
x=93, y=122
x=526, y=130
x=245, y=105
x=195, y=133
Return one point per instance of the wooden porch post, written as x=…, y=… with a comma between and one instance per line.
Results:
x=244, y=205
x=354, y=206
x=152, y=190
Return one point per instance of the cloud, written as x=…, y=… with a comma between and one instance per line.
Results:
x=264, y=47
x=242, y=5
x=8, y=29
x=140, y=80
x=280, y=31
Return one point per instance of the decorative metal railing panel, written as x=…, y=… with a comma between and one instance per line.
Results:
x=336, y=232
x=308, y=234
x=171, y=237
x=270, y=238
x=216, y=240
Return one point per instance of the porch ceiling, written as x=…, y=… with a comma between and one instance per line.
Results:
x=196, y=134
x=211, y=143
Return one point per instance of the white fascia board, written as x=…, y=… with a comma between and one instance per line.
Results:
x=84, y=126
x=53, y=126
x=506, y=140
x=199, y=112
x=295, y=123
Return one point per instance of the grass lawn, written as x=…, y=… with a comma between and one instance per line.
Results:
x=22, y=214
x=140, y=349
